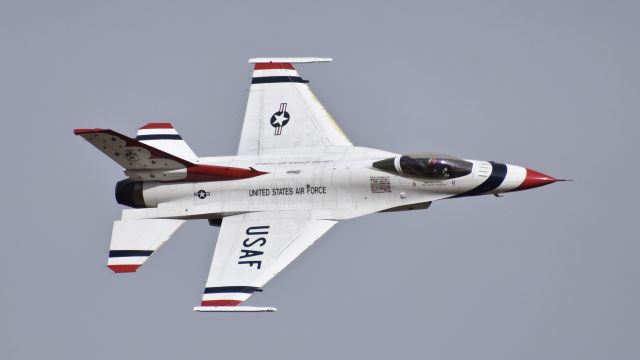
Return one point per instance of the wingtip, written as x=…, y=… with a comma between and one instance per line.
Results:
x=234, y=309
x=290, y=60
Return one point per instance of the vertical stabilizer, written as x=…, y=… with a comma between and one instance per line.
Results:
x=164, y=137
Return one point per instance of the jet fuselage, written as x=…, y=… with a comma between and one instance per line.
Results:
x=342, y=184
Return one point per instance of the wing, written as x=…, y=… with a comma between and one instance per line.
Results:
x=282, y=112
x=251, y=249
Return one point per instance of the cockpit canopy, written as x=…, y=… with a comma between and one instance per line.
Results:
x=426, y=166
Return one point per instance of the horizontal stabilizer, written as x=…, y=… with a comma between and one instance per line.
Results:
x=134, y=241
x=234, y=309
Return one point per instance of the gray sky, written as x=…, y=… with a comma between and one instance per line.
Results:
x=550, y=273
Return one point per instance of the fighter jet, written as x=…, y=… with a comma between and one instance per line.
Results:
x=296, y=174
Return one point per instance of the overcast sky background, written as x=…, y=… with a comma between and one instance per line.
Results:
x=550, y=273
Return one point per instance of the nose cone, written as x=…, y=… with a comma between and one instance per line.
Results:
x=535, y=179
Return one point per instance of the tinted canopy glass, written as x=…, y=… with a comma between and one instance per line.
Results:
x=425, y=166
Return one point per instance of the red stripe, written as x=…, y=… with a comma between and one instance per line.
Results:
x=218, y=173
x=273, y=66
x=158, y=126
x=85, y=131
x=123, y=268
x=220, y=302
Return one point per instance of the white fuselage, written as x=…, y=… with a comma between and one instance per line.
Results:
x=339, y=183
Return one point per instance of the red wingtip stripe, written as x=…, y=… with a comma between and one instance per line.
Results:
x=85, y=131
x=220, y=302
x=123, y=268
x=273, y=66
x=158, y=126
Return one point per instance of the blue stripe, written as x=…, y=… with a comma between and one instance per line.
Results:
x=125, y=253
x=498, y=174
x=276, y=79
x=231, y=289
x=159, y=137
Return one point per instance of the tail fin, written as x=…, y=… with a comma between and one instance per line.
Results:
x=163, y=136
x=144, y=162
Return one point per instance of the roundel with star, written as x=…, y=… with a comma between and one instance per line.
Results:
x=280, y=118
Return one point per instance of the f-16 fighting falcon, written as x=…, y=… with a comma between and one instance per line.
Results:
x=296, y=175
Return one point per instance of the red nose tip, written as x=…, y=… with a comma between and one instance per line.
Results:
x=535, y=179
